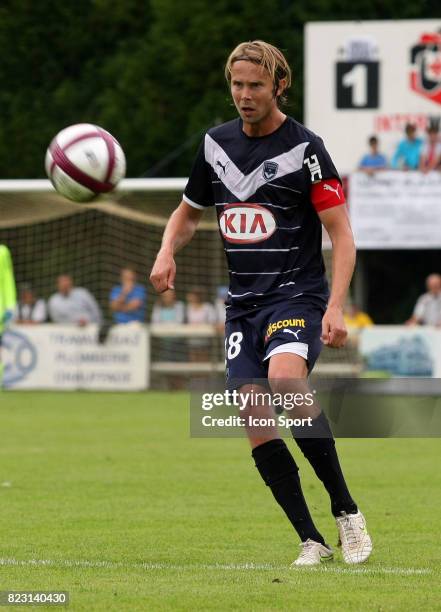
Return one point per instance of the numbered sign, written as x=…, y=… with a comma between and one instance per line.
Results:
x=357, y=84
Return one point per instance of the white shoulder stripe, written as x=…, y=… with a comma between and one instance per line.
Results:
x=194, y=204
x=244, y=185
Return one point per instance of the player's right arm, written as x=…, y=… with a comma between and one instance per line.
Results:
x=178, y=232
x=198, y=195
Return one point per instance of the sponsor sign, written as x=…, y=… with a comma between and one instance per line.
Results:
x=371, y=77
x=68, y=357
x=402, y=351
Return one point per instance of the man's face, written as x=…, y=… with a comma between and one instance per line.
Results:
x=128, y=277
x=27, y=297
x=193, y=297
x=168, y=297
x=433, y=284
x=64, y=284
x=433, y=137
x=411, y=133
x=252, y=90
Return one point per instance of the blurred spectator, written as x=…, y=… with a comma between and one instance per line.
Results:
x=407, y=154
x=374, y=160
x=73, y=304
x=167, y=309
x=431, y=152
x=30, y=309
x=356, y=318
x=128, y=300
x=220, y=308
x=427, y=309
x=198, y=312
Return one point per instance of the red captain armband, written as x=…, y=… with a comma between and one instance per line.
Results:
x=327, y=194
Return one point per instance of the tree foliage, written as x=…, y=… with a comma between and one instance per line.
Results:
x=149, y=71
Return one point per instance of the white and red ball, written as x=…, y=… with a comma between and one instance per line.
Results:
x=84, y=160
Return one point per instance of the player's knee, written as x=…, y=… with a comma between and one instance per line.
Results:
x=287, y=366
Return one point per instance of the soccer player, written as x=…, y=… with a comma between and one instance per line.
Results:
x=273, y=184
x=7, y=293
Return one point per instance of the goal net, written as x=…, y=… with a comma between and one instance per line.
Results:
x=48, y=236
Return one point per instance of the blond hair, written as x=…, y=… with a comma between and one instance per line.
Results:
x=266, y=55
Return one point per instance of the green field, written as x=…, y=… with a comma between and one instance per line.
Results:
x=106, y=496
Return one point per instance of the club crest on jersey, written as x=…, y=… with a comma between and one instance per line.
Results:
x=270, y=170
x=241, y=223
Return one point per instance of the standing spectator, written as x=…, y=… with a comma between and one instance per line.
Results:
x=128, y=300
x=374, y=160
x=199, y=312
x=7, y=293
x=30, y=309
x=427, y=309
x=73, y=304
x=407, y=154
x=431, y=152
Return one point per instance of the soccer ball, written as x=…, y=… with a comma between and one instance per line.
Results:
x=83, y=160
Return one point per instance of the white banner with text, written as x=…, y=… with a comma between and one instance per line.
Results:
x=66, y=357
x=396, y=210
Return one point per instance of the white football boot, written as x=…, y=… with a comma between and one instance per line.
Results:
x=313, y=553
x=354, y=539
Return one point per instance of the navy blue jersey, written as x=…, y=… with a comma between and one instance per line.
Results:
x=267, y=191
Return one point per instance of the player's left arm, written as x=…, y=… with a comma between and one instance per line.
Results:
x=327, y=197
x=336, y=221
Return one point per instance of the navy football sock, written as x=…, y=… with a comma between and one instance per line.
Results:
x=322, y=455
x=280, y=472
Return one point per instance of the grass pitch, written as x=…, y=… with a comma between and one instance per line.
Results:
x=106, y=496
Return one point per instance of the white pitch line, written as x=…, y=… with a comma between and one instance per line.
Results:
x=399, y=571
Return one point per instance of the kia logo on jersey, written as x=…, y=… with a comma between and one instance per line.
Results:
x=241, y=223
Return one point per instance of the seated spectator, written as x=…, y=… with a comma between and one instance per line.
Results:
x=73, y=304
x=29, y=309
x=128, y=300
x=167, y=309
x=198, y=312
x=431, y=152
x=219, y=306
x=407, y=154
x=427, y=309
x=356, y=318
x=374, y=160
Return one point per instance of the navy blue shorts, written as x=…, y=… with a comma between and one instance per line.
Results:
x=252, y=338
